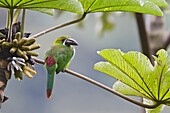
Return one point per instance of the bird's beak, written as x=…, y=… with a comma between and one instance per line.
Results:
x=71, y=41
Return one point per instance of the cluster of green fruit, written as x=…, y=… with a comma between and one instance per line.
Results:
x=20, y=52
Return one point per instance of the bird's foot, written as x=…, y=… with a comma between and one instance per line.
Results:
x=63, y=70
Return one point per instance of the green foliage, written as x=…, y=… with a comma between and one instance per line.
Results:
x=88, y=6
x=44, y=10
x=141, y=6
x=161, y=3
x=137, y=76
x=68, y=5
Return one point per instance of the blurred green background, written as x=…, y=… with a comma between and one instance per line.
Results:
x=71, y=94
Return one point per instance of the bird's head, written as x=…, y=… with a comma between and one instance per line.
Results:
x=65, y=40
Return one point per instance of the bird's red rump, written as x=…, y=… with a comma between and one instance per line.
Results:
x=50, y=61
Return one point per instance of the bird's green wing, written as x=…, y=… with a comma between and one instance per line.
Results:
x=64, y=58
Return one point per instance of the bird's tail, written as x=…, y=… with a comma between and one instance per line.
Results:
x=50, y=82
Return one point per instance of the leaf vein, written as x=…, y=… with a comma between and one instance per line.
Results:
x=131, y=79
x=30, y=2
x=4, y=3
x=160, y=79
x=139, y=76
x=90, y=6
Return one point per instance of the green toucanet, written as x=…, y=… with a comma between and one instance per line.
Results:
x=57, y=58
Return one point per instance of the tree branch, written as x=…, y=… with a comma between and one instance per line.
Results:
x=167, y=41
x=105, y=87
x=59, y=26
x=143, y=35
x=111, y=90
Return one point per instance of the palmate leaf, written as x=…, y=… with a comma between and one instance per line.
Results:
x=137, y=76
x=161, y=3
x=88, y=6
x=68, y=5
x=125, y=89
x=120, y=66
x=161, y=76
x=141, y=6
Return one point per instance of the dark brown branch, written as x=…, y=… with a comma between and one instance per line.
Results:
x=39, y=61
x=143, y=35
x=111, y=90
x=105, y=87
x=166, y=42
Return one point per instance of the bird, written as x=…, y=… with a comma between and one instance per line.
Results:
x=57, y=59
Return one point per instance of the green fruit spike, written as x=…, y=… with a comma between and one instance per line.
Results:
x=15, y=43
x=13, y=50
x=29, y=42
x=18, y=36
x=18, y=75
x=32, y=53
x=21, y=54
x=1, y=41
x=22, y=42
x=7, y=44
x=34, y=46
x=25, y=48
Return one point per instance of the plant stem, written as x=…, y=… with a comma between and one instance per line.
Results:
x=59, y=26
x=11, y=14
x=23, y=22
x=105, y=87
x=16, y=15
x=8, y=19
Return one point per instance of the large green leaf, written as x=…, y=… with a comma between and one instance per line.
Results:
x=68, y=5
x=161, y=3
x=161, y=76
x=43, y=10
x=141, y=6
x=128, y=68
x=89, y=6
x=137, y=76
x=127, y=90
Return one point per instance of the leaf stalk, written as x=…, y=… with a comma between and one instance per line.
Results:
x=59, y=26
x=23, y=22
x=16, y=15
x=11, y=14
